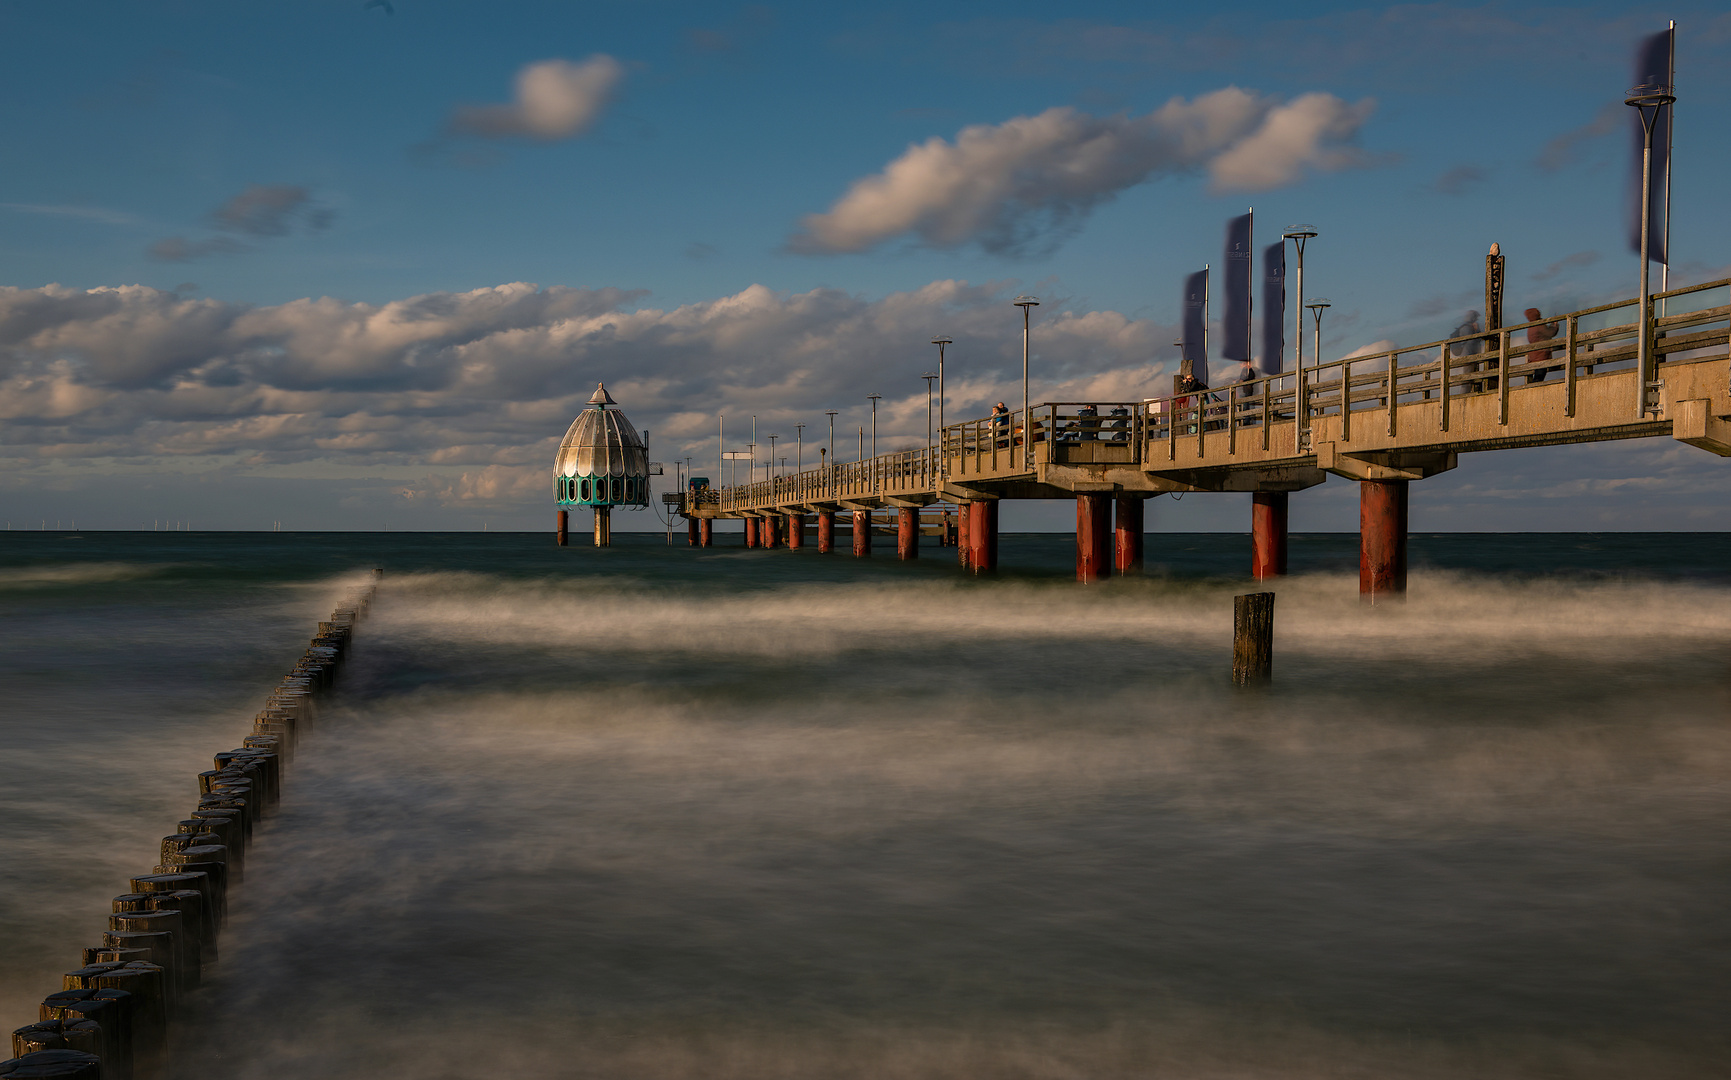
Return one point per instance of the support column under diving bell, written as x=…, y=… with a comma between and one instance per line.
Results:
x=562, y=527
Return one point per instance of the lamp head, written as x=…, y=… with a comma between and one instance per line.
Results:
x=1025, y=301
x=1642, y=97
x=1298, y=232
x=1317, y=305
x=942, y=339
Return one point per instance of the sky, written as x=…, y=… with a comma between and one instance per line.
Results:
x=350, y=264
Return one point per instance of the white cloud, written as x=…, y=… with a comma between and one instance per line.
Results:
x=556, y=99
x=1005, y=186
x=474, y=389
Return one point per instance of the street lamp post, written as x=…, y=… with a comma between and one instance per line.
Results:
x=769, y=468
x=829, y=477
x=1649, y=100
x=874, y=398
x=1298, y=234
x=940, y=341
x=1025, y=302
x=1317, y=307
x=928, y=376
x=798, y=448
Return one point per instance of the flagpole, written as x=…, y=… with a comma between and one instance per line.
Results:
x=1670, y=166
x=1643, y=98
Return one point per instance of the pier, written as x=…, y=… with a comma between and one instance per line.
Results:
x=1383, y=420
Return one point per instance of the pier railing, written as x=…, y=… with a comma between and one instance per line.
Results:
x=1273, y=416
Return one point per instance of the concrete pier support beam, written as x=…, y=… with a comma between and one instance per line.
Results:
x=796, y=530
x=603, y=526
x=862, y=533
x=983, y=536
x=1268, y=534
x=1128, y=526
x=768, y=531
x=907, y=533
x=691, y=532
x=750, y=532
x=562, y=528
x=1382, y=539
x=825, y=531
x=706, y=532
x=1093, y=537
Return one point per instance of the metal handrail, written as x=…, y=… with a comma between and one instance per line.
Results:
x=987, y=446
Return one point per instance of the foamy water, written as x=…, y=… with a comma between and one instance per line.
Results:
x=664, y=814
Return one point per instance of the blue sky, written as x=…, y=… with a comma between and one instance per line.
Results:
x=377, y=269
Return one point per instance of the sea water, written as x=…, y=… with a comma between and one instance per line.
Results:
x=660, y=812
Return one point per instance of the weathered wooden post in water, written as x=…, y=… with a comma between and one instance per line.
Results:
x=602, y=463
x=1252, y=637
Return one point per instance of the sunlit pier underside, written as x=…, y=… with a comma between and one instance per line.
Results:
x=1384, y=419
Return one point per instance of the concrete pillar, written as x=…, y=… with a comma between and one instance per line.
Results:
x=1093, y=537
x=907, y=533
x=706, y=532
x=963, y=551
x=562, y=529
x=983, y=536
x=796, y=530
x=1268, y=534
x=825, y=531
x=1127, y=529
x=1382, y=539
x=603, y=526
x=691, y=532
x=768, y=530
x=750, y=532
x=862, y=532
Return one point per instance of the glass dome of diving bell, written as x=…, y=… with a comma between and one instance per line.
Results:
x=602, y=460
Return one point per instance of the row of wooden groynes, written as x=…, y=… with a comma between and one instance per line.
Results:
x=114, y=1015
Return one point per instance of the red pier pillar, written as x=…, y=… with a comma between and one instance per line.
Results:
x=750, y=532
x=768, y=530
x=691, y=532
x=706, y=532
x=1127, y=529
x=796, y=530
x=983, y=536
x=563, y=528
x=1268, y=534
x=1093, y=537
x=964, y=551
x=825, y=531
x=1382, y=539
x=907, y=533
x=862, y=533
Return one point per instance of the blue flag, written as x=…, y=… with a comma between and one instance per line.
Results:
x=1235, y=310
x=1196, y=324
x=1654, y=60
x=1274, y=308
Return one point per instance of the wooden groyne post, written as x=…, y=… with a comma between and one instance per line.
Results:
x=1252, y=637
x=115, y=1013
